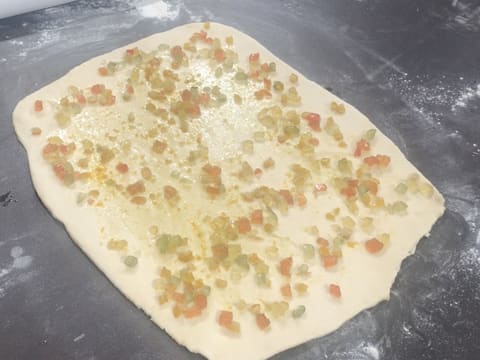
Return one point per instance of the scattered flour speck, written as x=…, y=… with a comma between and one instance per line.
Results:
x=16, y=42
x=371, y=351
x=16, y=252
x=79, y=337
x=22, y=262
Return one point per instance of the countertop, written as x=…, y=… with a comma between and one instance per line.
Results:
x=413, y=67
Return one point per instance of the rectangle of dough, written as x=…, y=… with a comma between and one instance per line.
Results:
x=99, y=215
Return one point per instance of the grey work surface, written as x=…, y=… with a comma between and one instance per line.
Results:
x=413, y=67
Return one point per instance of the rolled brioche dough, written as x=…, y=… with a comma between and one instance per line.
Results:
x=159, y=212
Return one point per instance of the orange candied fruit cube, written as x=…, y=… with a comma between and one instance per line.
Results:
x=243, y=225
x=81, y=99
x=373, y=246
x=219, y=55
x=335, y=290
x=322, y=242
x=301, y=200
x=285, y=266
x=159, y=146
x=136, y=188
x=225, y=318
x=212, y=170
x=200, y=301
x=122, y=168
x=192, y=312
x=377, y=160
x=286, y=291
x=329, y=261
x=102, y=71
x=255, y=57
x=287, y=195
x=262, y=321
x=313, y=120
x=257, y=217
x=97, y=89
x=362, y=145
x=169, y=192
x=38, y=105
x=131, y=52
x=258, y=172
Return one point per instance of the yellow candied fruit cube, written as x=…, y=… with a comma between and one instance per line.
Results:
x=117, y=244
x=237, y=99
x=330, y=216
x=425, y=189
x=337, y=108
x=234, y=327
x=255, y=309
x=177, y=311
x=157, y=284
x=162, y=299
x=366, y=224
x=241, y=305
x=220, y=283
x=352, y=244
x=348, y=222
x=324, y=251
x=325, y=162
x=301, y=288
x=384, y=238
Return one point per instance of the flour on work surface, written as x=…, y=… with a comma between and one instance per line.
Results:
x=15, y=271
x=162, y=10
x=467, y=95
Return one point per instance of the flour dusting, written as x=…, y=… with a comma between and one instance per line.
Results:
x=90, y=26
x=422, y=97
x=193, y=17
x=14, y=273
x=159, y=9
x=20, y=261
x=23, y=48
x=465, y=17
x=466, y=96
x=470, y=261
x=48, y=38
